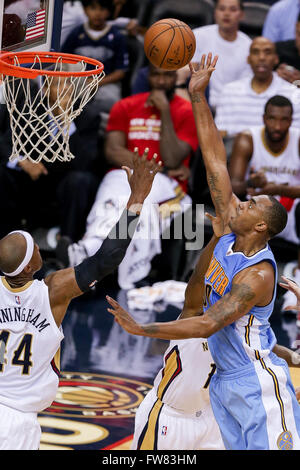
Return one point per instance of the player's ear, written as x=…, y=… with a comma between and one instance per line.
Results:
x=28, y=268
x=261, y=226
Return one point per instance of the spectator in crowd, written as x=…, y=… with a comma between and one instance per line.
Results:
x=289, y=57
x=73, y=16
x=102, y=41
x=281, y=20
x=163, y=122
x=225, y=39
x=242, y=102
x=265, y=160
x=46, y=194
x=125, y=16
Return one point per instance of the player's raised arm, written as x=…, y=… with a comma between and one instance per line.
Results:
x=210, y=140
x=68, y=283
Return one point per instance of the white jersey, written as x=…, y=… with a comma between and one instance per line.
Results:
x=232, y=62
x=183, y=381
x=280, y=168
x=29, y=341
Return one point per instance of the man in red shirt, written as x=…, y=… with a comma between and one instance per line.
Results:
x=159, y=120
x=164, y=123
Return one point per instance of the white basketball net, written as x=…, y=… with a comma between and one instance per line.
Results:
x=41, y=115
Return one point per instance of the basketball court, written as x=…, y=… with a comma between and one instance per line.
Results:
x=105, y=372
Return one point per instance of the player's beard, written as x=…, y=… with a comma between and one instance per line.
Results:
x=170, y=93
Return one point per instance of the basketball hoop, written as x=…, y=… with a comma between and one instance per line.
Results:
x=44, y=92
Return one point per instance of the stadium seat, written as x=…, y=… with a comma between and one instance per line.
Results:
x=255, y=14
x=193, y=12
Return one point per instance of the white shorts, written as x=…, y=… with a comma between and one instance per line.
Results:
x=18, y=430
x=160, y=427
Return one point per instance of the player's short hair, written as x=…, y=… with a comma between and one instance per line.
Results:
x=241, y=3
x=103, y=3
x=276, y=217
x=280, y=101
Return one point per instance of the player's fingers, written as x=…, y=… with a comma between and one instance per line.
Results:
x=285, y=286
x=157, y=167
x=291, y=307
x=202, y=62
x=290, y=281
x=145, y=154
x=128, y=172
x=153, y=162
x=135, y=155
x=208, y=60
x=113, y=312
x=209, y=216
x=112, y=302
x=215, y=60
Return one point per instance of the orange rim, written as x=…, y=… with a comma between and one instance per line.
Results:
x=7, y=66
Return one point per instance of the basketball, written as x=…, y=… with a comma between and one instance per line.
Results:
x=169, y=44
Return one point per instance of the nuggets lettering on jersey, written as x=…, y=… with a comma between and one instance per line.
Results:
x=216, y=277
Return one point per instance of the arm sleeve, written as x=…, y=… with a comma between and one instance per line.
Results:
x=110, y=254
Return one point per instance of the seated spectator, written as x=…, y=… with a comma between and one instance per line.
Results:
x=242, y=102
x=73, y=16
x=99, y=40
x=231, y=45
x=124, y=16
x=265, y=160
x=46, y=194
x=289, y=57
x=141, y=83
x=281, y=20
x=164, y=123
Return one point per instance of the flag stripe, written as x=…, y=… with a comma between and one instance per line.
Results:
x=35, y=24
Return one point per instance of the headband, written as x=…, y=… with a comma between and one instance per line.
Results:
x=28, y=255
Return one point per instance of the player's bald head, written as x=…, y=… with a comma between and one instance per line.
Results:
x=12, y=252
x=261, y=41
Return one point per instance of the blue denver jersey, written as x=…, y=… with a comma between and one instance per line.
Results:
x=250, y=337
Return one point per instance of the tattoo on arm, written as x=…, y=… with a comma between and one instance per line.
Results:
x=216, y=193
x=196, y=98
x=229, y=306
x=150, y=328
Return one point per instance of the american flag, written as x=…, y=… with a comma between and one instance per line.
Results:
x=35, y=25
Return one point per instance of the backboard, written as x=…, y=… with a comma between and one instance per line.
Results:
x=27, y=25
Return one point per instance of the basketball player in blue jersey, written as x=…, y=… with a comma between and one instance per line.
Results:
x=31, y=313
x=251, y=393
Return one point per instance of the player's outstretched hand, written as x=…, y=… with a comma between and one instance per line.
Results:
x=123, y=318
x=144, y=170
x=293, y=287
x=217, y=224
x=297, y=390
x=201, y=73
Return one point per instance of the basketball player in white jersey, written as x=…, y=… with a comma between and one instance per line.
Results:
x=31, y=313
x=176, y=414
x=266, y=160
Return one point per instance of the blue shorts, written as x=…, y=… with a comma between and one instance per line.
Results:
x=256, y=407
